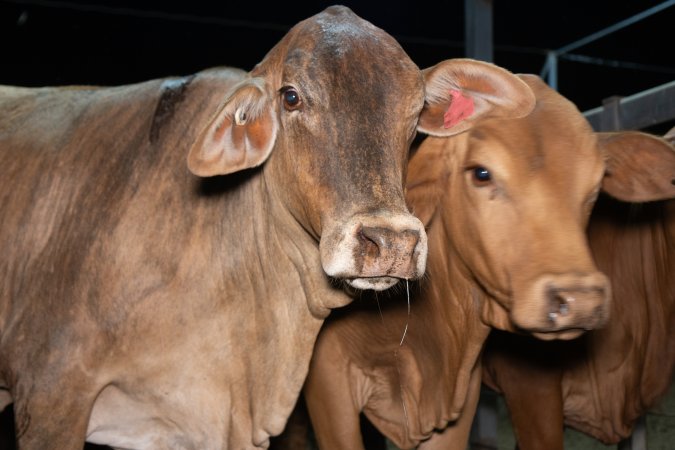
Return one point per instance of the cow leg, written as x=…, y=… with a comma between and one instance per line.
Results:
x=533, y=396
x=47, y=415
x=328, y=393
x=49, y=427
x=536, y=409
x=334, y=418
x=528, y=373
x=456, y=436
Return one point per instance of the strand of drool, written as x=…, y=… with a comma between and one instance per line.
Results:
x=400, y=344
x=398, y=369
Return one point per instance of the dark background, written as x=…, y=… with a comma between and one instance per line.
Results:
x=108, y=42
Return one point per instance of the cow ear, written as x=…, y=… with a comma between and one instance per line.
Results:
x=670, y=136
x=241, y=135
x=639, y=167
x=462, y=92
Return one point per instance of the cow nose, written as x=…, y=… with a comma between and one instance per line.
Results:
x=374, y=240
x=586, y=302
x=565, y=305
x=579, y=301
x=375, y=251
x=386, y=252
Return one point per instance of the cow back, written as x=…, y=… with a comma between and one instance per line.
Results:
x=51, y=157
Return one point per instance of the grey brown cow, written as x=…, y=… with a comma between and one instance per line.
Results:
x=144, y=305
x=507, y=202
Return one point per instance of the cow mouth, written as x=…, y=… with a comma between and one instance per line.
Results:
x=372, y=283
x=561, y=334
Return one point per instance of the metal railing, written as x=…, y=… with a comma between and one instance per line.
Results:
x=642, y=110
x=550, y=70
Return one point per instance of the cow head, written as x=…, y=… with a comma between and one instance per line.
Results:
x=331, y=111
x=517, y=197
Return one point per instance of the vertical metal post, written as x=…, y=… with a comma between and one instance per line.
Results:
x=478, y=29
x=638, y=440
x=552, y=65
x=610, y=119
x=484, y=428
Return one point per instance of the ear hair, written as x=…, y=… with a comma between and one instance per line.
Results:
x=246, y=101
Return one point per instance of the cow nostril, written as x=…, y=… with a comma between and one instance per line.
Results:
x=559, y=303
x=564, y=308
x=371, y=241
x=382, y=242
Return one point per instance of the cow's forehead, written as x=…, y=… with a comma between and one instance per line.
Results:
x=350, y=36
x=553, y=137
x=337, y=52
x=334, y=29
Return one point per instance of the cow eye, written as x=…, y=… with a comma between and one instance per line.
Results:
x=481, y=176
x=291, y=98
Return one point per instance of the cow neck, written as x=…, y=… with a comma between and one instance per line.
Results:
x=291, y=236
x=282, y=278
x=453, y=301
x=465, y=283
x=453, y=285
x=440, y=351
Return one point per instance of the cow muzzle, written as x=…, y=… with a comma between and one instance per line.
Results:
x=376, y=252
x=563, y=306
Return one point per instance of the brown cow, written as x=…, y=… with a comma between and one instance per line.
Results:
x=143, y=307
x=507, y=204
x=604, y=381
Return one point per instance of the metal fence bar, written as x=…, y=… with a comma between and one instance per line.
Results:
x=610, y=119
x=616, y=27
x=642, y=110
x=484, y=428
x=478, y=29
x=551, y=70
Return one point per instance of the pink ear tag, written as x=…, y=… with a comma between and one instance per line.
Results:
x=460, y=108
